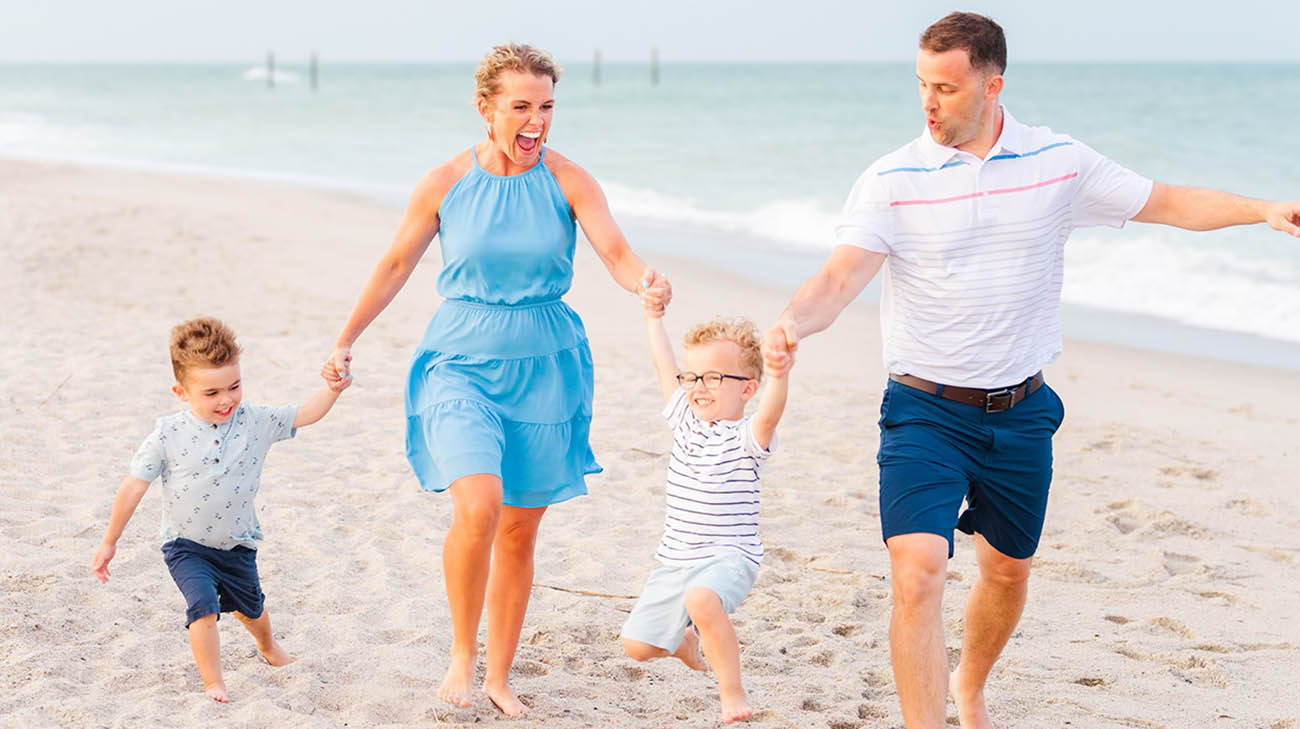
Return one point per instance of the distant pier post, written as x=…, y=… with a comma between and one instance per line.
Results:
x=270, y=69
x=654, y=66
x=315, y=61
x=595, y=69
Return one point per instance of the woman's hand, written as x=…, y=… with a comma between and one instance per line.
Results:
x=655, y=292
x=338, y=367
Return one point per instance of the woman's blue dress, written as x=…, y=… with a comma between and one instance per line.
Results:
x=502, y=381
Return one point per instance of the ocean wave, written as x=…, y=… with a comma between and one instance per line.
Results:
x=259, y=73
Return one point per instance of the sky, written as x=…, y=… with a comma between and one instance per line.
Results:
x=681, y=30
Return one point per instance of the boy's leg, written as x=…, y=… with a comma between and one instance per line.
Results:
x=688, y=651
x=510, y=583
x=466, y=556
x=206, y=644
x=718, y=637
x=260, y=627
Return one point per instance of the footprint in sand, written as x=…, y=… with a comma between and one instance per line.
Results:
x=1180, y=564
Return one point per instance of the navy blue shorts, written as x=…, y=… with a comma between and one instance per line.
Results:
x=214, y=580
x=936, y=452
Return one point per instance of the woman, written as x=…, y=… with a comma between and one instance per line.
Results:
x=499, y=395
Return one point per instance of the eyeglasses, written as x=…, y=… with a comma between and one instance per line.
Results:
x=712, y=380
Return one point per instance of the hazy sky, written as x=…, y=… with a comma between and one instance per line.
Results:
x=758, y=30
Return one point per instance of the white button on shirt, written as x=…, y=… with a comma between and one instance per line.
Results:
x=971, y=288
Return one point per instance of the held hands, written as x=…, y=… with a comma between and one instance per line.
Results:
x=655, y=292
x=1284, y=216
x=778, y=347
x=103, y=555
x=337, y=370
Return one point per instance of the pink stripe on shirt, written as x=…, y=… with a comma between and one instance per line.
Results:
x=1000, y=191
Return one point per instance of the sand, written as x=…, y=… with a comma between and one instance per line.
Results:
x=1164, y=593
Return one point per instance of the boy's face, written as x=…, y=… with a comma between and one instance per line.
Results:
x=727, y=401
x=212, y=392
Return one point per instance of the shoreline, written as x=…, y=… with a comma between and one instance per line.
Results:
x=783, y=266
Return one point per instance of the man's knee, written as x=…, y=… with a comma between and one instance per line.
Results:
x=1006, y=571
x=919, y=567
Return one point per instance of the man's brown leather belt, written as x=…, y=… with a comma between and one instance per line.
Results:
x=992, y=401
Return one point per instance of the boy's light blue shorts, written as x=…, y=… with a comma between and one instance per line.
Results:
x=659, y=616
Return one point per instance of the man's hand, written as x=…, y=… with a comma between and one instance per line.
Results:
x=778, y=346
x=1284, y=216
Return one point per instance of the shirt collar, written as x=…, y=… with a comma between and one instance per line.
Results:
x=1011, y=140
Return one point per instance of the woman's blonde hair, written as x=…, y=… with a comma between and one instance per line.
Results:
x=737, y=330
x=511, y=57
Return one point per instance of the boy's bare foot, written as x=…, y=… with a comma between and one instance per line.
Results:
x=735, y=707
x=275, y=655
x=216, y=692
x=455, y=685
x=971, y=709
x=504, y=699
x=688, y=651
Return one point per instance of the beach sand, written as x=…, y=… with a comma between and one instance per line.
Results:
x=1164, y=593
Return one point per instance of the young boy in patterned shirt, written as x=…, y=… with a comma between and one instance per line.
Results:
x=210, y=459
x=710, y=549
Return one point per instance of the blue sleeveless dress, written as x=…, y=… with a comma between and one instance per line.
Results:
x=502, y=381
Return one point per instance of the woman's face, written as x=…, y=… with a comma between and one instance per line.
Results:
x=519, y=116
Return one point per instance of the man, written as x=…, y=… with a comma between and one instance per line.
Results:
x=968, y=223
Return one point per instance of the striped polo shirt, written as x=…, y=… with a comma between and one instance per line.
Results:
x=971, y=289
x=712, y=489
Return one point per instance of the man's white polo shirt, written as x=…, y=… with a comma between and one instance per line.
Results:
x=972, y=285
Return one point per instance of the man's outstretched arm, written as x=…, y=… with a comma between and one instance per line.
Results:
x=1199, y=208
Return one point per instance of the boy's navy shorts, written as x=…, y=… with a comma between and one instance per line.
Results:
x=935, y=452
x=214, y=580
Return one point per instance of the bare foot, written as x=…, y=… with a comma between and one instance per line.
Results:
x=216, y=692
x=688, y=651
x=275, y=655
x=504, y=699
x=455, y=685
x=735, y=707
x=971, y=710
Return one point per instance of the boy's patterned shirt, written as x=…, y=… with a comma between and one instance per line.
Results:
x=210, y=473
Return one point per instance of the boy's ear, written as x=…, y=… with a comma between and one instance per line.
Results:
x=751, y=389
x=180, y=392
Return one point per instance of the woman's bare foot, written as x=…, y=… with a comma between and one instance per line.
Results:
x=455, y=685
x=688, y=651
x=735, y=706
x=275, y=655
x=972, y=712
x=504, y=699
x=216, y=692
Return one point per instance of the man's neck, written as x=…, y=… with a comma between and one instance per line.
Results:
x=990, y=131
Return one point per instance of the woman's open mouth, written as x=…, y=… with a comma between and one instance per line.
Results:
x=527, y=142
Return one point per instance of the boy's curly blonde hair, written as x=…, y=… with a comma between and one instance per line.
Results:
x=737, y=330
x=511, y=57
x=202, y=343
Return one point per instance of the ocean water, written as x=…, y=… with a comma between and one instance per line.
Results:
x=746, y=164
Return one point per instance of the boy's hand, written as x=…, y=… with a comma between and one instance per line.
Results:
x=778, y=347
x=333, y=380
x=655, y=292
x=103, y=555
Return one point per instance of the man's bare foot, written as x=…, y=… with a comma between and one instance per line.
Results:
x=216, y=692
x=504, y=699
x=735, y=706
x=972, y=713
x=455, y=685
x=275, y=655
x=688, y=651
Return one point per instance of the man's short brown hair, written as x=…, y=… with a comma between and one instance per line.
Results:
x=979, y=35
x=202, y=343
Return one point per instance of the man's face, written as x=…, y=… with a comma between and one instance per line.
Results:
x=956, y=97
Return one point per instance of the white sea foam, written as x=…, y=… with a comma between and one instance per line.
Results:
x=258, y=73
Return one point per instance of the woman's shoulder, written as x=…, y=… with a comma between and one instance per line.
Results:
x=437, y=182
x=572, y=177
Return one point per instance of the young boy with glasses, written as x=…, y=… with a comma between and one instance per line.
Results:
x=710, y=549
x=210, y=457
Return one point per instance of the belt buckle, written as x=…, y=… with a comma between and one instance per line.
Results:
x=996, y=401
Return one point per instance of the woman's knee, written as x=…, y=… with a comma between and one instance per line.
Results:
x=476, y=510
